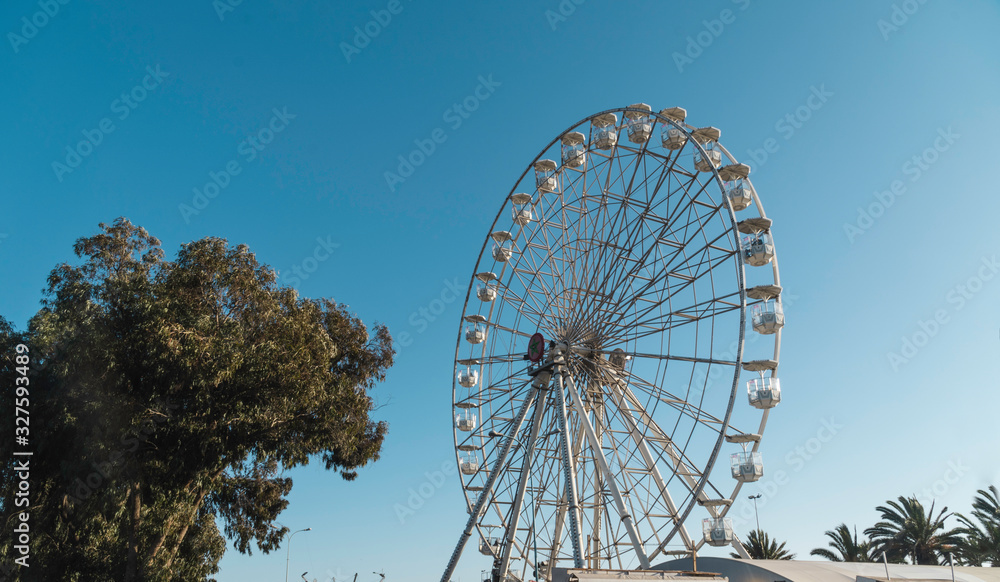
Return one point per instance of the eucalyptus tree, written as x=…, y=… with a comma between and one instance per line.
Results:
x=167, y=395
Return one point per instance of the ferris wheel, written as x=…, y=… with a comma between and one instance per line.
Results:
x=601, y=349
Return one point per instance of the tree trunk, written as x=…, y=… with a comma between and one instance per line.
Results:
x=194, y=514
x=135, y=508
x=183, y=533
x=155, y=547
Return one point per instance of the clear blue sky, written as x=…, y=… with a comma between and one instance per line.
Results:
x=336, y=120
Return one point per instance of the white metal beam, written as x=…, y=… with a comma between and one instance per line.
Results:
x=595, y=445
x=487, y=492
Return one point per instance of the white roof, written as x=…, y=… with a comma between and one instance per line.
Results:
x=714, y=502
x=823, y=571
x=759, y=365
x=604, y=119
x=573, y=138
x=764, y=292
x=475, y=318
x=753, y=225
x=742, y=438
x=486, y=276
x=501, y=235
x=545, y=165
x=703, y=134
x=734, y=172
x=582, y=575
x=675, y=113
x=520, y=198
x=633, y=114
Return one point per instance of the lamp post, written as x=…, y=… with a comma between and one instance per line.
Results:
x=288, y=553
x=756, y=516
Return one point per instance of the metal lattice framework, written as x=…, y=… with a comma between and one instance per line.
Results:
x=628, y=257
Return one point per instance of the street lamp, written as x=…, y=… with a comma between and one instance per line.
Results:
x=288, y=553
x=755, y=498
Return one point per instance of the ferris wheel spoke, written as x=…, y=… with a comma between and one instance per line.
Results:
x=670, y=220
x=684, y=407
x=609, y=479
x=619, y=281
x=627, y=466
x=522, y=483
x=632, y=427
x=657, y=322
x=529, y=311
x=677, y=519
x=526, y=263
x=673, y=357
x=607, y=194
x=667, y=271
x=533, y=271
x=488, y=487
x=575, y=254
x=655, y=435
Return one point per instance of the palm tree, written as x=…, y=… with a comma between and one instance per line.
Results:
x=847, y=546
x=761, y=547
x=907, y=532
x=981, y=542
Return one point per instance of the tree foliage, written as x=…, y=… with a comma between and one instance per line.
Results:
x=761, y=547
x=169, y=394
x=980, y=543
x=847, y=546
x=907, y=531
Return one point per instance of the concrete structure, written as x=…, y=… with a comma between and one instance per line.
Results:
x=823, y=571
